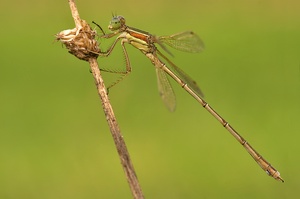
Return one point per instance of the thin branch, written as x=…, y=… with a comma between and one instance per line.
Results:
x=115, y=131
x=75, y=13
x=81, y=42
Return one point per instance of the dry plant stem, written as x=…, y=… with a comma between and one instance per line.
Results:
x=109, y=114
x=75, y=13
x=115, y=131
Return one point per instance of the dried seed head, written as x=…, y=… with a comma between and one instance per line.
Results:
x=80, y=41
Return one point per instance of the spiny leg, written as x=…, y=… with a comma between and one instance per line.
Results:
x=127, y=61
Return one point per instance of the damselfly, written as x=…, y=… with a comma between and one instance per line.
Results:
x=186, y=41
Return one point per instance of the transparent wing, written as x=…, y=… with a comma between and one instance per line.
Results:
x=165, y=90
x=185, y=41
x=185, y=77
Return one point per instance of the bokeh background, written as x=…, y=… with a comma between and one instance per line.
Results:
x=55, y=142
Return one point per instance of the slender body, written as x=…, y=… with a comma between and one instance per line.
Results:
x=186, y=41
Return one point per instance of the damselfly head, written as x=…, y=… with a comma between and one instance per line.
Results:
x=116, y=23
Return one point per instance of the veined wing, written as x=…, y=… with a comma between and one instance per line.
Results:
x=186, y=41
x=185, y=77
x=165, y=90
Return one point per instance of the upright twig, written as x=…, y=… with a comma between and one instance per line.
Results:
x=81, y=42
x=115, y=131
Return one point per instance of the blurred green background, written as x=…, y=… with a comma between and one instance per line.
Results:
x=54, y=139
